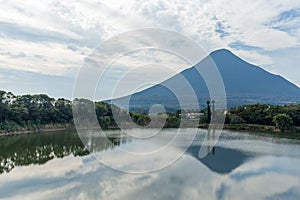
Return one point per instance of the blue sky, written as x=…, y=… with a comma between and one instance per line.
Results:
x=43, y=43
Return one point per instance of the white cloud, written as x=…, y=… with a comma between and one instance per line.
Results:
x=85, y=178
x=254, y=57
x=52, y=37
x=44, y=57
x=136, y=71
x=247, y=22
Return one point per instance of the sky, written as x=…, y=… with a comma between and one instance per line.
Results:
x=43, y=44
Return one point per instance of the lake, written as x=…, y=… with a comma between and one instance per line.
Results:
x=56, y=165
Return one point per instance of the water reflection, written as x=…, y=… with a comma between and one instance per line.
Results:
x=220, y=160
x=217, y=159
x=239, y=167
x=23, y=150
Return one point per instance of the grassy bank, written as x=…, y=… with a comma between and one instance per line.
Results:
x=37, y=128
x=269, y=131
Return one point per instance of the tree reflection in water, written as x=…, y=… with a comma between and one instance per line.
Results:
x=27, y=149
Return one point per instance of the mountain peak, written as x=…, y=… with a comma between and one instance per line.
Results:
x=244, y=83
x=223, y=53
x=223, y=50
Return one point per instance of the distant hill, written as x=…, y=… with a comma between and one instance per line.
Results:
x=244, y=84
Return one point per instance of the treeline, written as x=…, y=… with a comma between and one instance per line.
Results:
x=270, y=115
x=35, y=112
x=30, y=112
x=107, y=114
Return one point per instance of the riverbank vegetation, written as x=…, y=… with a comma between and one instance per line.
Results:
x=268, y=116
x=23, y=113
x=33, y=112
x=39, y=112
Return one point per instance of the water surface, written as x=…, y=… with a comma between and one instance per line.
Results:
x=58, y=166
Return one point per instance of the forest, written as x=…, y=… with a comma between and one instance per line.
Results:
x=283, y=117
x=35, y=112
x=39, y=111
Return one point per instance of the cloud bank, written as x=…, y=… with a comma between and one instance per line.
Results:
x=53, y=37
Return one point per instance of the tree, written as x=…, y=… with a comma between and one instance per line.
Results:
x=234, y=119
x=282, y=121
x=64, y=108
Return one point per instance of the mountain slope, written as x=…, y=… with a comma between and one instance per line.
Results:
x=243, y=79
x=244, y=83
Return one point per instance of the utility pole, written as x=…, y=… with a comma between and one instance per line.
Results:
x=213, y=108
x=208, y=112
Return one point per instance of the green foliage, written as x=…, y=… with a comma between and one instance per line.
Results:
x=282, y=121
x=204, y=118
x=29, y=112
x=22, y=150
x=140, y=119
x=262, y=114
x=234, y=119
x=173, y=121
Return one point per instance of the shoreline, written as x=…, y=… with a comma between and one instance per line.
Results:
x=249, y=128
x=262, y=130
x=43, y=129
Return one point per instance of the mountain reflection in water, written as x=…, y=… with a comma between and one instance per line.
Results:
x=57, y=166
x=23, y=150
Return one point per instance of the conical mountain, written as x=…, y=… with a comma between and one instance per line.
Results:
x=244, y=83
